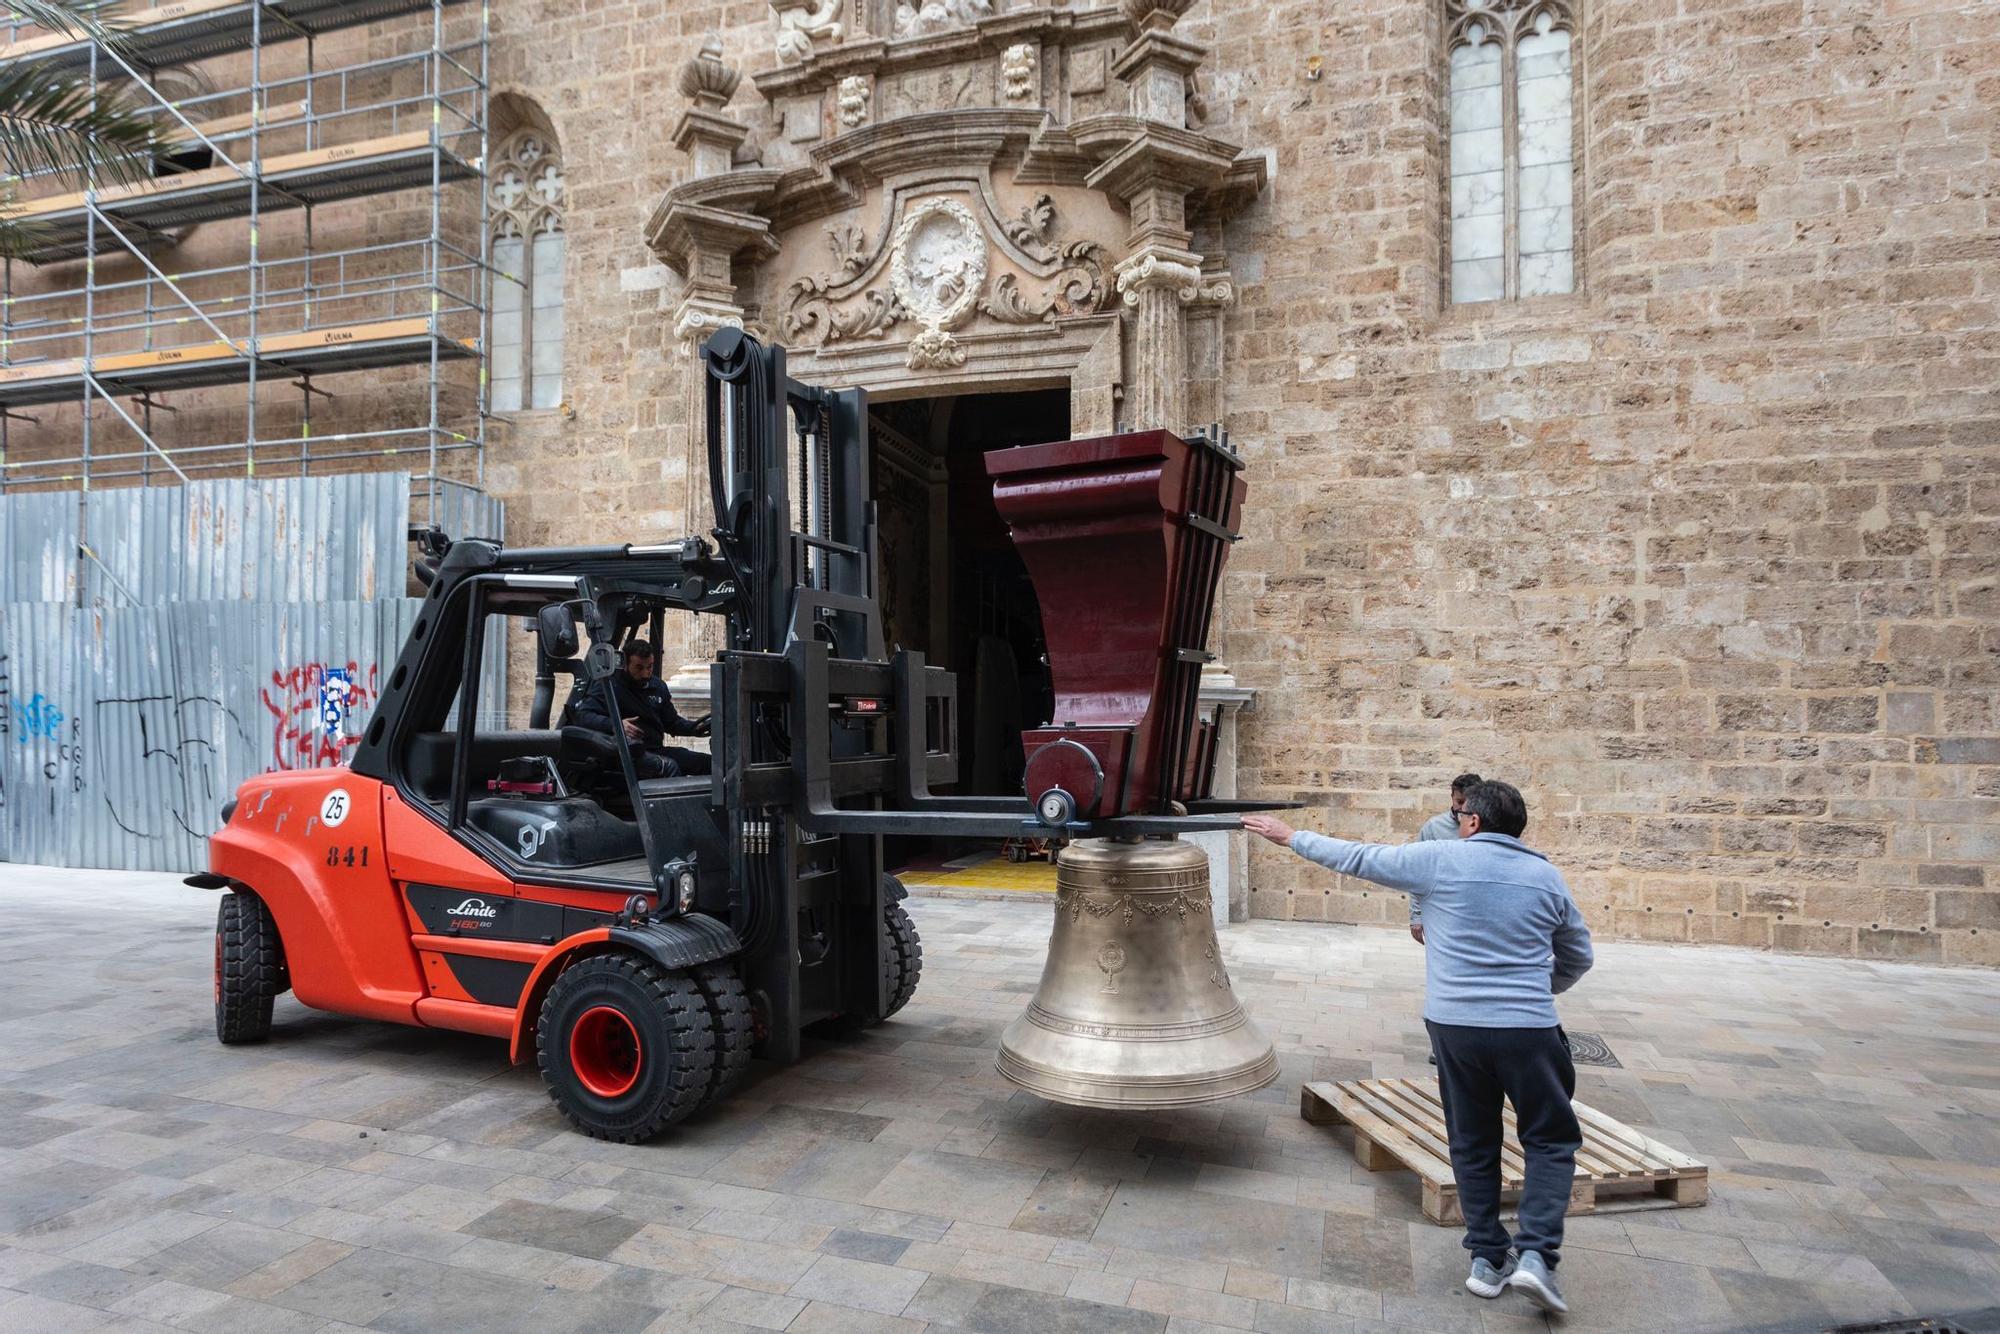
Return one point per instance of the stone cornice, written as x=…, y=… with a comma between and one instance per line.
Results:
x=678, y=226
x=879, y=56
x=1114, y=153
x=1136, y=154
x=1246, y=178
x=961, y=137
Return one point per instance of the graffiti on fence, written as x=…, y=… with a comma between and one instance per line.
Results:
x=54, y=738
x=171, y=766
x=41, y=719
x=310, y=706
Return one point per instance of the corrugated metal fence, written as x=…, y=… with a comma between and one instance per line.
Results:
x=230, y=628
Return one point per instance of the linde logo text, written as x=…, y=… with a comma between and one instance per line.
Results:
x=473, y=908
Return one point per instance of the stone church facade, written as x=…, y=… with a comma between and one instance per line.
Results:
x=1701, y=553
x=1616, y=381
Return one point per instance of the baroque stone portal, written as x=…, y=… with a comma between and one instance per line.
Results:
x=955, y=192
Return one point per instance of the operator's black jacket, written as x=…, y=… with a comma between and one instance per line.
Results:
x=648, y=703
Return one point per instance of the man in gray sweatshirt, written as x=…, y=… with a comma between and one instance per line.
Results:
x=1440, y=828
x=1502, y=937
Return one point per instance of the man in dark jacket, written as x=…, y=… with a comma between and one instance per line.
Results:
x=646, y=712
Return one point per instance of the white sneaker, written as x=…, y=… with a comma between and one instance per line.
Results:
x=1485, y=1280
x=1532, y=1279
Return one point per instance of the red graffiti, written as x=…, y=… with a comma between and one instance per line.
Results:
x=297, y=697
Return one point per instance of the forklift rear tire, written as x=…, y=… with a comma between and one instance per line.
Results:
x=249, y=968
x=729, y=1017
x=902, y=956
x=625, y=1046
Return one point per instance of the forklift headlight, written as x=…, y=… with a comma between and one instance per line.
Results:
x=684, y=889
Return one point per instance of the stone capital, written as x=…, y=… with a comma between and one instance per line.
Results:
x=1177, y=271
x=699, y=316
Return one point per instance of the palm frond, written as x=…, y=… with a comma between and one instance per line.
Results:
x=21, y=238
x=72, y=18
x=55, y=122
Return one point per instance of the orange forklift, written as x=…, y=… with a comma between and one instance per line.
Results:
x=638, y=933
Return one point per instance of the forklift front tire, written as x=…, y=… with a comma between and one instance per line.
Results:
x=249, y=968
x=729, y=1016
x=902, y=956
x=626, y=1047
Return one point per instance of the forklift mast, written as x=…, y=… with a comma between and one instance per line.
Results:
x=809, y=578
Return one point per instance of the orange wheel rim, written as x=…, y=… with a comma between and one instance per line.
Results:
x=604, y=1051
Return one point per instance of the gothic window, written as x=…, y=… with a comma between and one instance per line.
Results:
x=1513, y=220
x=526, y=349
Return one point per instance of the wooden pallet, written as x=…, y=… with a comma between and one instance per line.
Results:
x=1400, y=1123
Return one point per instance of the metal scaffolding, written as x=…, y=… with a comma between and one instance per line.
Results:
x=286, y=140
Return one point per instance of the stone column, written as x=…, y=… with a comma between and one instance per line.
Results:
x=1154, y=173
x=1157, y=283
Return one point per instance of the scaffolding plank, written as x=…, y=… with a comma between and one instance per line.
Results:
x=141, y=25
x=313, y=176
x=368, y=346
x=52, y=207
x=173, y=34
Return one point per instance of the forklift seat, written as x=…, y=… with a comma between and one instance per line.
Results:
x=588, y=763
x=431, y=754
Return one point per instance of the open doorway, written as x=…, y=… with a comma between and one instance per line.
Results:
x=952, y=585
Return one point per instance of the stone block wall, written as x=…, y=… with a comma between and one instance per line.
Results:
x=1706, y=557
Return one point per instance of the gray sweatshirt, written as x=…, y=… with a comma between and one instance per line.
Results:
x=1502, y=936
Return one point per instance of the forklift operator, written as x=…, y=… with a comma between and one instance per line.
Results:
x=647, y=713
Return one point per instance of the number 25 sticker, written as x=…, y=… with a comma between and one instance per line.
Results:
x=333, y=811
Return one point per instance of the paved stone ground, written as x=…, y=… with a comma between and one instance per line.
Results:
x=352, y=1174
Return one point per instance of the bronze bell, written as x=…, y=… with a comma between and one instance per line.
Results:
x=1135, y=1007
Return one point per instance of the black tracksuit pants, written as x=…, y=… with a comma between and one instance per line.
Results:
x=1529, y=1067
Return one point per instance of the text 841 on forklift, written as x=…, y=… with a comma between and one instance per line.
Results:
x=642, y=930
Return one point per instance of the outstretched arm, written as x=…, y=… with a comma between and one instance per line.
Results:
x=1410, y=867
